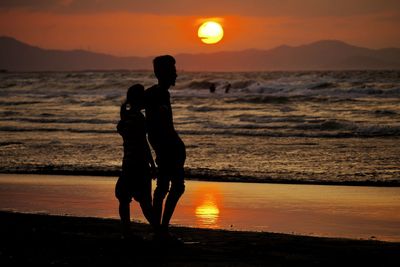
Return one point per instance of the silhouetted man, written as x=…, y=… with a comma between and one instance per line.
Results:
x=168, y=146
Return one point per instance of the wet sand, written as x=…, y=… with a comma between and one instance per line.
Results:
x=43, y=239
x=328, y=211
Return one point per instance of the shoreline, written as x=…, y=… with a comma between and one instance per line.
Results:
x=68, y=240
x=211, y=178
x=313, y=210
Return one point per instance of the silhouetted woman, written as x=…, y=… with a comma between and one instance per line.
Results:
x=137, y=165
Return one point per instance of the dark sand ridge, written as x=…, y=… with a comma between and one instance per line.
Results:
x=44, y=239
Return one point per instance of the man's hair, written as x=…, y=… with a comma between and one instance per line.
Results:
x=162, y=63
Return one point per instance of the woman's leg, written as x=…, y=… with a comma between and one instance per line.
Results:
x=125, y=216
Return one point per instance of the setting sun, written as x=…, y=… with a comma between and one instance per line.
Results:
x=210, y=32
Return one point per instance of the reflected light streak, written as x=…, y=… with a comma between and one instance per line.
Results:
x=208, y=212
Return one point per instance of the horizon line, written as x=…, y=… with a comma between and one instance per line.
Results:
x=201, y=53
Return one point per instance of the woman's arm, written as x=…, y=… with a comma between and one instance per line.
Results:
x=150, y=160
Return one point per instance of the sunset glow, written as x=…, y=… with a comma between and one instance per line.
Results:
x=207, y=206
x=210, y=32
x=140, y=28
x=191, y=133
x=208, y=211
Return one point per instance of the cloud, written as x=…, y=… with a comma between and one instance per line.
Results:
x=305, y=8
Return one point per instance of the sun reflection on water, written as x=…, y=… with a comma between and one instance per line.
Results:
x=207, y=212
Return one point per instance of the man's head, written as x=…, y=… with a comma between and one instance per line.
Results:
x=164, y=69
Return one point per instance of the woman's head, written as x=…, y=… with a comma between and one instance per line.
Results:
x=135, y=96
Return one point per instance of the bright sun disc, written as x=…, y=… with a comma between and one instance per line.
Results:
x=210, y=32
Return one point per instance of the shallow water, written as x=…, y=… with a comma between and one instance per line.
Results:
x=333, y=211
x=322, y=127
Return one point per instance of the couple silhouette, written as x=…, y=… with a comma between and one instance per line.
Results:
x=138, y=167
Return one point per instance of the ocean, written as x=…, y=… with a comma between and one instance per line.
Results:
x=323, y=127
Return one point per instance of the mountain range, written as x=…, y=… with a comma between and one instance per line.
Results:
x=320, y=55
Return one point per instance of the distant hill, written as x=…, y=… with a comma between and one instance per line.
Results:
x=321, y=55
x=18, y=56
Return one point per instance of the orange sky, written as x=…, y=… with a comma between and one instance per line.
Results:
x=145, y=28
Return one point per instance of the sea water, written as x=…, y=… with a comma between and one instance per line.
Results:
x=333, y=127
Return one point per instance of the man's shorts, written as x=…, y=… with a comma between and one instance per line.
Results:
x=170, y=171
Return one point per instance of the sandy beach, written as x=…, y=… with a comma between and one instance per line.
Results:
x=72, y=220
x=43, y=239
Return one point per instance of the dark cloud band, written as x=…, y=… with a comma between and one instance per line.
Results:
x=211, y=7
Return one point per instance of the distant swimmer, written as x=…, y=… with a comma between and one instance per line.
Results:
x=212, y=88
x=227, y=88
